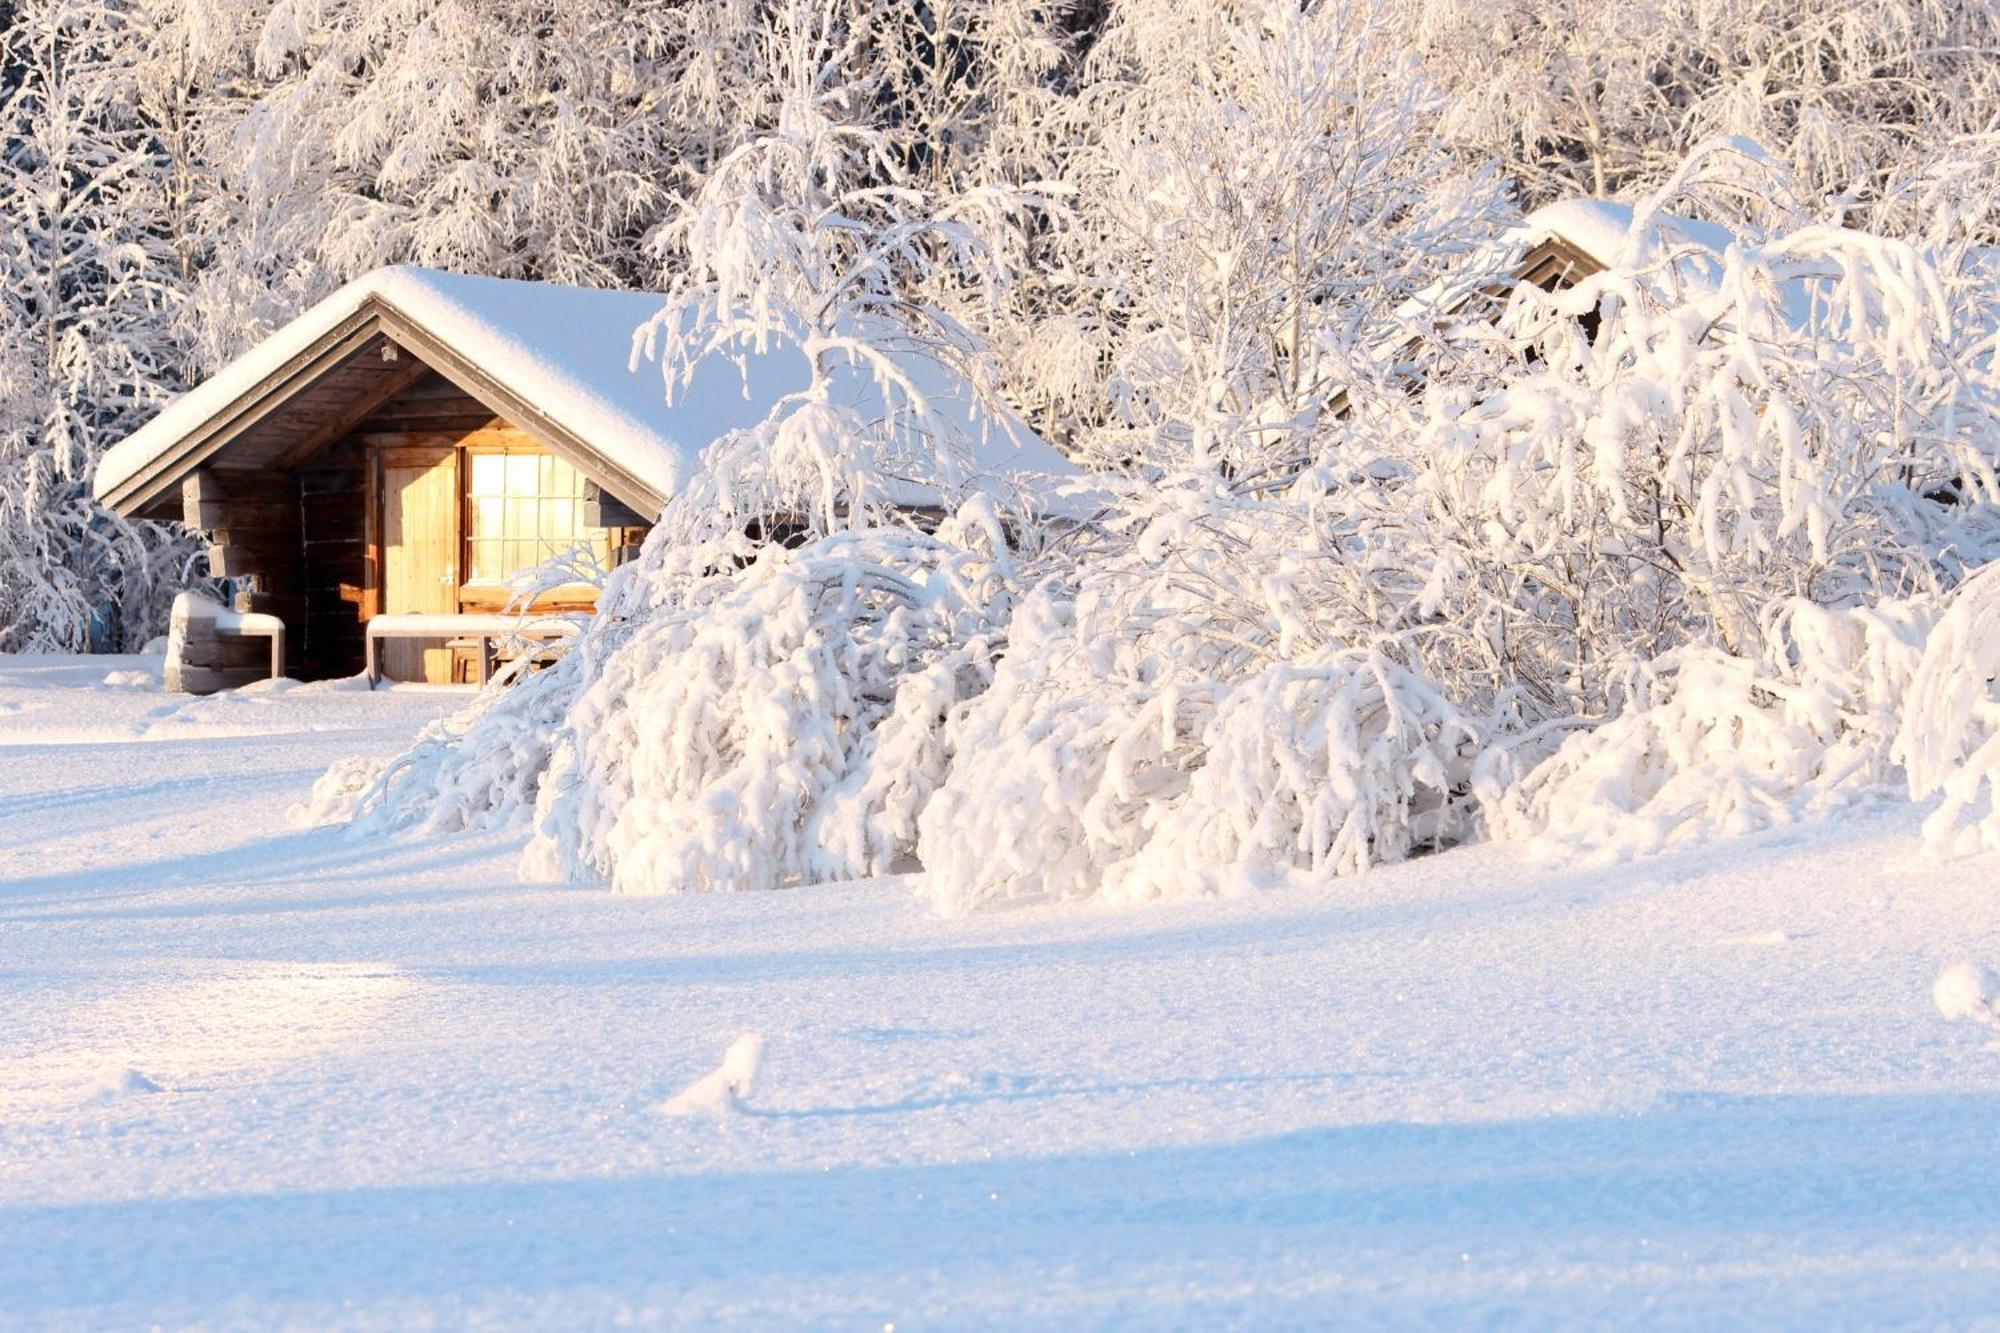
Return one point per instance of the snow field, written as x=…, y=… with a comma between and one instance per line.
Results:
x=398, y=1086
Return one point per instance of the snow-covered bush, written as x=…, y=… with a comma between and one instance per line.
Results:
x=1712, y=744
x=1332, y=763
x=1134, y=791
x=1949, y=743
x=481, y=767
x=1200, y=704
x=1650, y=559
x=1695, y=514
x=733, y=744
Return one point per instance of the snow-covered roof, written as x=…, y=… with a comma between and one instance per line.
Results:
x=567, y=353
x=1602, y=228
x=1597, y=230
x=1608, y=232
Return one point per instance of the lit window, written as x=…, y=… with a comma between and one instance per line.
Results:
x=525, y=509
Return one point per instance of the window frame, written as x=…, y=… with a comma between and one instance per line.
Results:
x=492, y=594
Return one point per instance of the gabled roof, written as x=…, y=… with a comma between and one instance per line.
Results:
x=1602, y=228
x=556, y=362
x=1557, y=246
x=1606, y=233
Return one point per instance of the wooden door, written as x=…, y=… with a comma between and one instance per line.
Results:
x=419, y=554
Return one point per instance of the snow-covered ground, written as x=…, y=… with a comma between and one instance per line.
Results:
x=255, y=1076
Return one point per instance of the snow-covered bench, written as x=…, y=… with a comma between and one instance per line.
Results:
x=465, y=630
x=207, y=648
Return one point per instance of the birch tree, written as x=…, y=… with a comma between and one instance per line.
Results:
x=86, y=352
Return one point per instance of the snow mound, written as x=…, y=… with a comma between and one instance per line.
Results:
x=337, y=794
x=1967, y=990
x=1719, y=744
x=122, y=1086
x=721, y=1091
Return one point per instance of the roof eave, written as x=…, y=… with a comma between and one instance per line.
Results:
x=151, y=482
x=375, y=315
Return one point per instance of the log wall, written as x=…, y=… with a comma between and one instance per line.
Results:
x=302, y=540
x=252, y=522
x=333, y=502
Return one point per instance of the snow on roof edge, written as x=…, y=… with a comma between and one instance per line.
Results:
x=565, y=351
x=126, y=459
x=1602, y=228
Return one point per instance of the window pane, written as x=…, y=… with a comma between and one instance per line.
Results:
x=486, y=561
x=489, y=474
x=488, y=516
x=525, y=509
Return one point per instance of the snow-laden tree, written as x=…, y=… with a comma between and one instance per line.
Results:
x=1810, y=413
x=1579, y=97
x=1726, y=522
x=744, y=711
x=807, y=685
x=516, y=139
x=86, y=305
x=1263, y=197
x=1253, y=191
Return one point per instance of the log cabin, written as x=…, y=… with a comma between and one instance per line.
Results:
x=1561, y=245
x=410, y=446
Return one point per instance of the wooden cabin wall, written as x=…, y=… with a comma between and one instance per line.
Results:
x=333, y=490
x=252, y=521
x=305, y=537
x=431, y=415
x=431, y=406
x=435, y=412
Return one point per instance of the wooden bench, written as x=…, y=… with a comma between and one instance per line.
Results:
x=465, y=630
x=211, y=648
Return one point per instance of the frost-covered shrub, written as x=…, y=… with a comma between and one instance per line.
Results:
x=1133, y=793
x=730, y=743
x=479, y=768
x=1714, y=744
x=1181, y=716
x=1340, y=761
x=1950, y=737
x=1058, y=774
